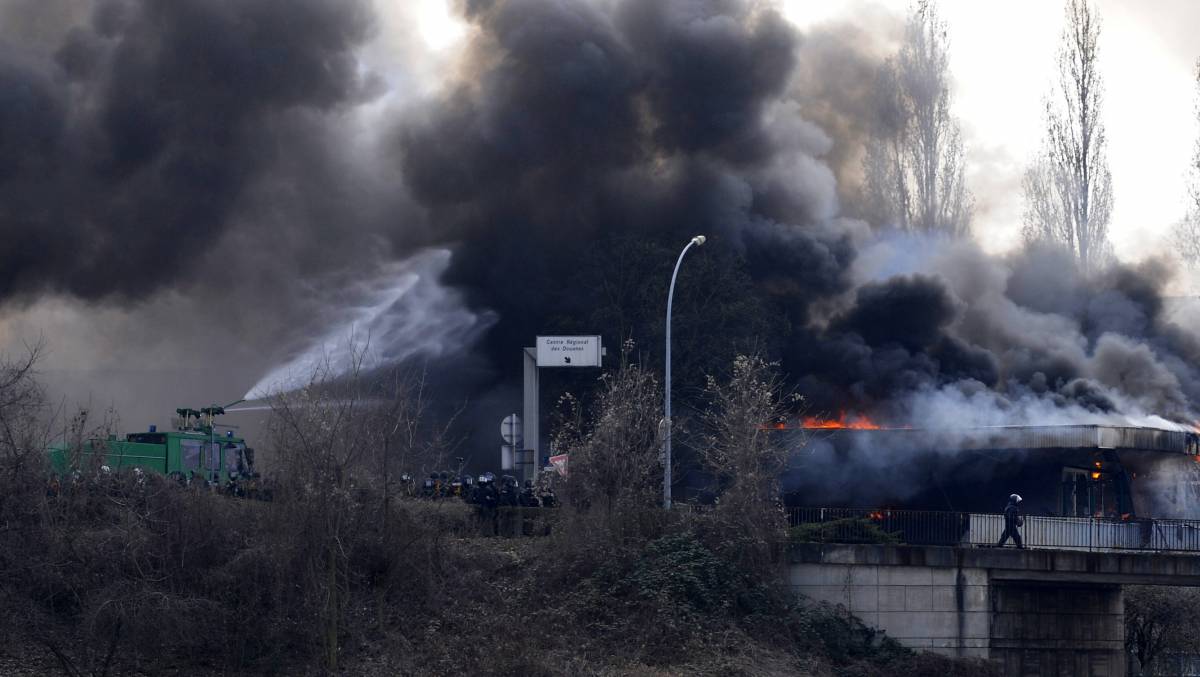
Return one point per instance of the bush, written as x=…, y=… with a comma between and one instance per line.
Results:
x=845, y=530
x=679, y=569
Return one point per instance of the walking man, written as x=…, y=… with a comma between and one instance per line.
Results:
x=1012, y=520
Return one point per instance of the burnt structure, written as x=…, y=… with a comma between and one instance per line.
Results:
x=1070, y=470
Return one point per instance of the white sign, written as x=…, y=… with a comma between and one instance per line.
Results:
x=568, y=351
x=510, y=430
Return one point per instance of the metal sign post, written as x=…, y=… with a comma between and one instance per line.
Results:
x=510, y=432
x=549, y=351
x=510, y=429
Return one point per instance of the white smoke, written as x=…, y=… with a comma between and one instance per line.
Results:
x=406, y=313
x=970, y=405
x=1118, y=376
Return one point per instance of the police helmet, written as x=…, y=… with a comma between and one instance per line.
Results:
x=1015, y=498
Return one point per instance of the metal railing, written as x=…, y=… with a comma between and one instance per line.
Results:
x=922, y=527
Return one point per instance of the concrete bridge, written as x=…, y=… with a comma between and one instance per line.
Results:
x=1039, y=612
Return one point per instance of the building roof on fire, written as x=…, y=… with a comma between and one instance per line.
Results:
x=1031, y=437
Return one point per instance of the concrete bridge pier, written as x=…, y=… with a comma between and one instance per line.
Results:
x=1057, y=629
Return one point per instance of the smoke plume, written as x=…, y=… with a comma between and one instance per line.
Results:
x=212, y=180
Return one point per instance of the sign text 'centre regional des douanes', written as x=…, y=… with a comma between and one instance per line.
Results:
x=568, y=351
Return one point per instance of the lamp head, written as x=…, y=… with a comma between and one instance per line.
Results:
x=698, y=240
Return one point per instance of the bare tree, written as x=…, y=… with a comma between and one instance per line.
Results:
x=616, y=461
x=1186, y=239
x=1068, y=188
x=1044, y=216
x=321, y=432
x=400, y=422
x=1157, y=622
x=747, y=458
x=913, y=170
x=1186, y=235
x=24, y=431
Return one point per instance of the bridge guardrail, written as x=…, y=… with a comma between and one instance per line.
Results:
x=926, y=527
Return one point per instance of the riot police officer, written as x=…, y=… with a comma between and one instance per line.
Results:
x=488, y=504
x=508, y=491
x=528, y=499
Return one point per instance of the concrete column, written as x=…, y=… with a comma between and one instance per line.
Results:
x=529, y=422
x=1058, y=629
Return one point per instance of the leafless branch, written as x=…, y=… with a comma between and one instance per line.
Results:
x=1068, y=187
x=914, y=168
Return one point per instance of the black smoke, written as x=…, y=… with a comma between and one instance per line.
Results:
x=163, y=157
x=130, y=149
x=183, y=194
x=581, y=124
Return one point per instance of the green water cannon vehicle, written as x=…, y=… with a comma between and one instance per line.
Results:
x=195, y=449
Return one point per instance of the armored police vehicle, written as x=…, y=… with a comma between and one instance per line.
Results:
x=195, y=449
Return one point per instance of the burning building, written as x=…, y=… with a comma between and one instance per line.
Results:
x=540, y=181
x=1066, y=470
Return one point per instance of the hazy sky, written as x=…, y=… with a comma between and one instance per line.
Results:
x=1003, y=64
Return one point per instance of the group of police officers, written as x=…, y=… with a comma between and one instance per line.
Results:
x=493, y=499
x=486, y=491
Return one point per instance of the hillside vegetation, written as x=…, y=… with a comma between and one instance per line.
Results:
x=343, y=574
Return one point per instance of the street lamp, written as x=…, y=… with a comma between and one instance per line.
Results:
x=698, y=240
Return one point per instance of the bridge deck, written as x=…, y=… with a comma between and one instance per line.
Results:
x=923, y=527
x=1062, y=566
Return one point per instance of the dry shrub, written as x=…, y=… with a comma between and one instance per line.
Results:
x=162, y=576
x=615, y=483
x=746, y=459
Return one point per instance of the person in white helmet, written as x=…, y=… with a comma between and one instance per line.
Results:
x=1012, y=521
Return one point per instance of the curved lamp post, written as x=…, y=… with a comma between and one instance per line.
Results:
x=698, y=240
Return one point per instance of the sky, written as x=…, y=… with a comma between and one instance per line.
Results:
x=1003, y=67
x=1002, y=59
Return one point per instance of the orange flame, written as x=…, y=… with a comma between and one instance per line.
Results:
x=852, y=422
